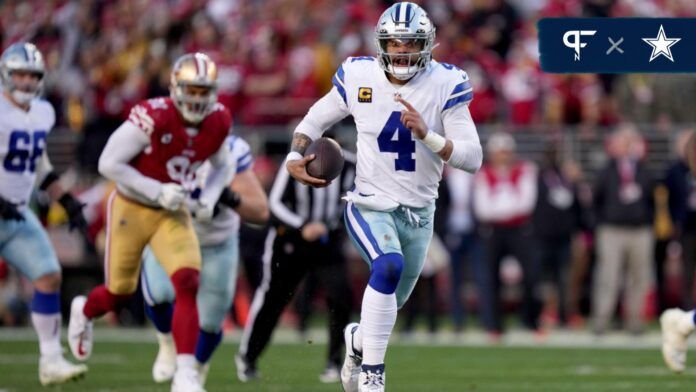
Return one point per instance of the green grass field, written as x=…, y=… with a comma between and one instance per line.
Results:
x=125, y=366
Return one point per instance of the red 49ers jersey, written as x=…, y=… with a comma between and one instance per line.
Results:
x=176, y=150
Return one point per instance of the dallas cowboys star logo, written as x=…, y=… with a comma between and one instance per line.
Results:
x=661, y=45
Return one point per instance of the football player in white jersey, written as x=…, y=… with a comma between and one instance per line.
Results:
x=219, y=239
x=25, y=120
x=412, y=116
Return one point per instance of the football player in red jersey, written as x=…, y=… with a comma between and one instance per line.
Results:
x=153, y=157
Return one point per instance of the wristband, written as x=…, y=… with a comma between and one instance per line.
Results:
x=434, y=141
x=293, y=156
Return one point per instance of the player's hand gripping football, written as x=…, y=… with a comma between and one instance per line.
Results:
x=412, y=119
x=298, y=170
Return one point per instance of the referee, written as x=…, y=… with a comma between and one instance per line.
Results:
x=306, y=234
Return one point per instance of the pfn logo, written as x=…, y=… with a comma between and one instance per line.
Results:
x=576, y=44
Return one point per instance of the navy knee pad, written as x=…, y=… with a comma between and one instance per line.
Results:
x=386, y=272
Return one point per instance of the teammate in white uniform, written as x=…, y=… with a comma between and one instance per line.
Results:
x=25, y=120
x=412, y=116
x=219, y=240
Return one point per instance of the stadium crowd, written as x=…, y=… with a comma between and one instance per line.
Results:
x=277, y=57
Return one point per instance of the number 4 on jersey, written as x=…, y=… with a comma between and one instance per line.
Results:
x=404, y=145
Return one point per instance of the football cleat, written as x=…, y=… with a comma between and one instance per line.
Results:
x=57, y=370
x=351, y=365
x=331, y=374
x=79, y=329
x=372, y=378
x=165, y=364
x=245, y=371
x=186, y=379
x=675, y=333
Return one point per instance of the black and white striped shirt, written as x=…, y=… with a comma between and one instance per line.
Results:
x=294, y=204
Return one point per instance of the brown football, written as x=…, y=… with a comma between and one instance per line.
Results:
x=329, y=159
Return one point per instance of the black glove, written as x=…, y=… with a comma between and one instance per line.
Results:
x=9, y=211
x=74, y=209
x=228, y=198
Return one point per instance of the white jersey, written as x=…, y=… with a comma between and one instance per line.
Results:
x=226, y=223
x=390, y=162
x=22, y=145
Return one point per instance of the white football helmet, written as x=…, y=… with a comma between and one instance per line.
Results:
x=198, y=70
x=404, y=22
x=22, y=57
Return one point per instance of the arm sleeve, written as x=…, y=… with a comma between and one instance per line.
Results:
x=275, y=200
x=467, y=153
x=223, y=169
x=114, y=163
x=327, y=111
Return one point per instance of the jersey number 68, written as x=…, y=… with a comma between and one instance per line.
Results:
x=23, y=149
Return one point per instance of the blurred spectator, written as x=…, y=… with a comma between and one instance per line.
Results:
x=484, y=109
x=105, y=55
x=463, y=242
x=505, y=192
x=665, y=236
x=493, y=23
x=624, y=206
x=265, y=82
x=231, y=67
x=573, y=99
x=556, y=218
x=521, y=87
x=681, y=187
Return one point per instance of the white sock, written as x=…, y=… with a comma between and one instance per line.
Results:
x=185, y=361
x=686, y=324
x=165, y=339
x=357, y=339
x=47, y=326
x=377, y=319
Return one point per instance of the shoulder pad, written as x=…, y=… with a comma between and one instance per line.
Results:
x=458, y=81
